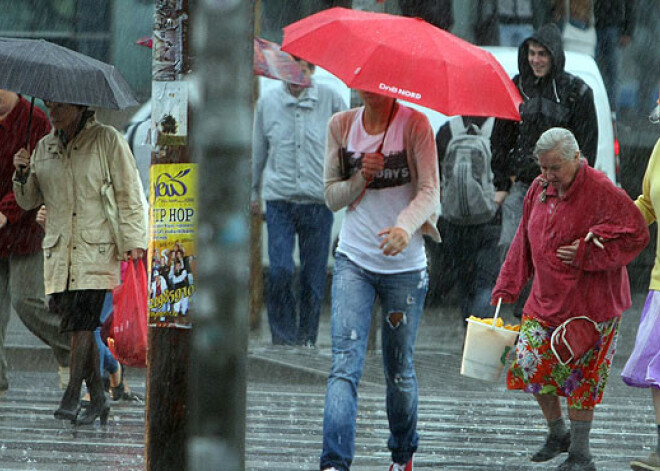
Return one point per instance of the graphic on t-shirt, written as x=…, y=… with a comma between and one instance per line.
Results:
x=395, y=173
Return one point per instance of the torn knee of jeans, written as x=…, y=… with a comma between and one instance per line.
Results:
x=395, y=318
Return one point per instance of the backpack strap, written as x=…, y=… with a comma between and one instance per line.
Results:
x=578, y=88
x=487, y=127
x=456, y=126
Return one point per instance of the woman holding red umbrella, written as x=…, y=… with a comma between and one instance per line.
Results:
x=381, y=163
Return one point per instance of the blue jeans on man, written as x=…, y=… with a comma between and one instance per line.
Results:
x=514, y=34
x=354, y=291
x=607, y=51
x=313, y=224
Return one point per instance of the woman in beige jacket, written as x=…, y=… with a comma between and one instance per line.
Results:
x=81, y=257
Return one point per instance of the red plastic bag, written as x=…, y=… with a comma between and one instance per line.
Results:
x=128, y=336
x=575, y=337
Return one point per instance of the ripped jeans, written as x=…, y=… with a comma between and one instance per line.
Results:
x=354, y=292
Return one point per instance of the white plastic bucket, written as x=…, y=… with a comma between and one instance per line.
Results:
x=485, y=350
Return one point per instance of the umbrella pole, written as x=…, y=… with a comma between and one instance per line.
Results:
x=29, y=125
x=21, y=170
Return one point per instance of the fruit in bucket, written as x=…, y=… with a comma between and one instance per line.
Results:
x=498, y=323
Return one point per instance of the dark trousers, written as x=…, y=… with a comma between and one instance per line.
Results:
x=22, y=289
x=472, y=254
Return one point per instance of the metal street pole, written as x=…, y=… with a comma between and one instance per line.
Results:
x=222, y=44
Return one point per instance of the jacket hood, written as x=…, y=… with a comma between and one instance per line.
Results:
x=548, y=36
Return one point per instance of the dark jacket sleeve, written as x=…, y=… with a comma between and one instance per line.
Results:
x=584, y=125
x=503, y=140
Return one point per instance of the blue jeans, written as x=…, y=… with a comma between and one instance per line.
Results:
x=607, y=51
x=312, y=223
x=474, y=257
x=354, y=292
x=513, y=35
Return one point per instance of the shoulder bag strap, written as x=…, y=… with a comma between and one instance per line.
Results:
x=104, y=168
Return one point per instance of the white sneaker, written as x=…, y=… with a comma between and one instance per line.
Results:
x=330, y=469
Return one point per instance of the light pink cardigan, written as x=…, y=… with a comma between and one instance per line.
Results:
x=422, y=211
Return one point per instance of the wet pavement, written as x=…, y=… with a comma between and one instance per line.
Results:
x=464, y=423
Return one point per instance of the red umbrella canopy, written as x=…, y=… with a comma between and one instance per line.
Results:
x=405, y=58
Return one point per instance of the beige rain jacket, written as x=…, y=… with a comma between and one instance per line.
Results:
x=79, y=250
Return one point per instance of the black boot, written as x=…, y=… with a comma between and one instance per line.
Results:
x=70, y=403
x=100, y=410
x=66, y=414
x=574, y=463
x=553, y=446
x=98, y=405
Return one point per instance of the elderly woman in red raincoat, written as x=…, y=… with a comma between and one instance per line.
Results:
x=577, y=234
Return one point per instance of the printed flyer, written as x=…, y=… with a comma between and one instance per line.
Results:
x=172, y=251
x=169, y=113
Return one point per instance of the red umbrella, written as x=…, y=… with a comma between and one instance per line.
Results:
x=405, y=58
x=269, y=61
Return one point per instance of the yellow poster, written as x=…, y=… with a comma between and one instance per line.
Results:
x=173, y=248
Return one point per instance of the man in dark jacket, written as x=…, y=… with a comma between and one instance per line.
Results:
x=551, y=98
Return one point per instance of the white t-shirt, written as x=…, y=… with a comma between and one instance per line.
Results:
x=386, y=196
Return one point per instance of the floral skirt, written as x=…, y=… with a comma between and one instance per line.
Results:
x=535, y=369
x=642, y=369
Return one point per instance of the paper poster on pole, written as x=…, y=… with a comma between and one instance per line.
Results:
x=168, y=47
x=169, y=113
x=173, y=199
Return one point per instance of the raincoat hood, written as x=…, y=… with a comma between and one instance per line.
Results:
x=548, y=36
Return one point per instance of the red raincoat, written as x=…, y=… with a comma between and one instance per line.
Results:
x=596, y=283
x=22, y=235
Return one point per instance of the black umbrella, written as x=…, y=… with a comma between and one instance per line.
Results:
x=45, y=70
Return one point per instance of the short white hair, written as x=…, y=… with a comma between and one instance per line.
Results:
x=557, y=139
